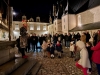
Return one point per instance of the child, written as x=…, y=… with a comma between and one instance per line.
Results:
x=72, y=49
x=48, y=48
x=59, y=49
x=88, y=46
x=52, y=50
x=44, y=47
x=83, y=62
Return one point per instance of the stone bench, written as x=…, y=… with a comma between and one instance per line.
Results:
x=12, y=65
x=7, y=52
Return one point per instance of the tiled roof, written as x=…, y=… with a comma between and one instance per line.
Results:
x=90, y=26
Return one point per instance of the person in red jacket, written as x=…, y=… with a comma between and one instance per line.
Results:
x=96, y=53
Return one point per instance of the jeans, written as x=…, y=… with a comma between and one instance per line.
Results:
x=68, y=43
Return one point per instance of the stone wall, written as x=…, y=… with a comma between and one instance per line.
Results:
x=6, y=51
x=57, y=26
x=90, y=16
x=51, y=29
x=71, y=21
x=65, y=24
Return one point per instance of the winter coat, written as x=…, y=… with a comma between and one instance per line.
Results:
x=52, y=50
x=44, y=46
x=96, y=53
x=72, y=48
x=59, y=47
x=84, y=59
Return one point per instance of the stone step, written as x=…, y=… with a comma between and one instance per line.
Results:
x=23, y=70
x=10, y=66
x=34, y=69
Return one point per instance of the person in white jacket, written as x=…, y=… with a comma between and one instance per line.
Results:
x=83, y=62
x=44, y=48
x=72, y=48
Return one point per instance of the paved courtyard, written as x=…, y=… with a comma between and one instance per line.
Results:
x=58, y=66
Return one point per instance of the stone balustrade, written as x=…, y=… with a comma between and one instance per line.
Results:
x=6, y=51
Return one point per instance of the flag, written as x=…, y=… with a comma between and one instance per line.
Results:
x=66, y=9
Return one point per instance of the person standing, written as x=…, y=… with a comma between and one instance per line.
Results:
x=90, y=52
x=96, y=53
x=83, y=63
x=44, y=48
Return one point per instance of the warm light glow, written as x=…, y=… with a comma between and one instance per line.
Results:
x=80, y=25
x=0, y=21
x=14, y=13
x=79, y=21
x=46, y=32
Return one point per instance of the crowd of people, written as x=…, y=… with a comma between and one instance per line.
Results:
x=78, y=44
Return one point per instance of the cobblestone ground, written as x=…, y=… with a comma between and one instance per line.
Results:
x=58, y=66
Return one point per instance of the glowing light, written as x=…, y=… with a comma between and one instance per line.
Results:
x=14, y=13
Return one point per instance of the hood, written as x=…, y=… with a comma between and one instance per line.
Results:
x=80, y=44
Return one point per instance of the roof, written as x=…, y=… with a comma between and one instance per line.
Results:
x=90, y=26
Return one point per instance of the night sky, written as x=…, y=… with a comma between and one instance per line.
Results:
x=33, y=8
x=42, y=8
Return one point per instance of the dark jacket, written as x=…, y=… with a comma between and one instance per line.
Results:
x=52, y=50
x=90, y=52
x=59, y=48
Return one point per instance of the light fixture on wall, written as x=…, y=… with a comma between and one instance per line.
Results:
x=0, y=17
x=0, y=20
x=79, y=21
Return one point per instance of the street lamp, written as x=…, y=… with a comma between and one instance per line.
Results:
x=14, y=13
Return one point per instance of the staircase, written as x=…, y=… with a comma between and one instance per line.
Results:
x=11, y=65
x=20, y=66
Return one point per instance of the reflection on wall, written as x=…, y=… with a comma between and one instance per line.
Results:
x=79, y=20
x=1, y=34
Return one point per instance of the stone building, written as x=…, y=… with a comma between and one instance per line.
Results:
x=32, y=27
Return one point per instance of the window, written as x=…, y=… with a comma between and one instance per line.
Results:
x=79, y=20
x=44, y=27
x=31, y=27
x=55, y=23
x=64, y=20
x=16, y=27
x=55, y=28
x=64, y=26
x=38, y=27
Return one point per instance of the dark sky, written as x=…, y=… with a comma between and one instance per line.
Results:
x=33, y=8
x=42, y=8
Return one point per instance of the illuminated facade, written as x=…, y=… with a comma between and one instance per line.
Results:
x=32, y=27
